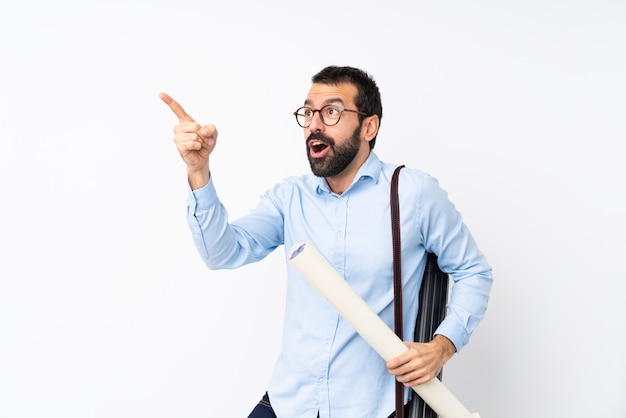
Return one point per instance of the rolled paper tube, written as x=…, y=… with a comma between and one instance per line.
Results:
x=321, y=275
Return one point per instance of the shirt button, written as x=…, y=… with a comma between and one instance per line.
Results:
x=339, y=234
x=321, y=380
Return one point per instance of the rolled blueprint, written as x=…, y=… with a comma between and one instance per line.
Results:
x=321, y=275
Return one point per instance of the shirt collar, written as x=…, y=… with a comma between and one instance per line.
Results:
x=371, y=168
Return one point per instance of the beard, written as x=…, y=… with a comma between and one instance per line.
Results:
x=338, y=157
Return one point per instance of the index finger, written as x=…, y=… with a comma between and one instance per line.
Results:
x=176, y=108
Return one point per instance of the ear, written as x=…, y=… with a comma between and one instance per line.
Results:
x=369, y=129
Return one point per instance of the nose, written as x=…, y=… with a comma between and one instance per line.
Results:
x=316, y=122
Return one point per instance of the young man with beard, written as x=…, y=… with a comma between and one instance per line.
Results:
x=325, y=368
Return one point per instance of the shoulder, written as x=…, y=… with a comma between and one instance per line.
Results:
x=410, y=177
x=417, y=186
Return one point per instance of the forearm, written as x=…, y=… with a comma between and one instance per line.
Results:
x=226, y=245
x=466, y=307
x=209, y=225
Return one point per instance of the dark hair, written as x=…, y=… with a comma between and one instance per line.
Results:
x=368, y=96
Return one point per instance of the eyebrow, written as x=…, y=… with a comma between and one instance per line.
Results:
x=328, y=101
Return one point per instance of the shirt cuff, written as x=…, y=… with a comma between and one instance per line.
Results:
x=454, y=332
x=202, y=198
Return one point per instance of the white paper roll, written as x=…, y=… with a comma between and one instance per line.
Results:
x=317, y=271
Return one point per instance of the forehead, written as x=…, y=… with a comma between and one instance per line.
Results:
x=322, y=94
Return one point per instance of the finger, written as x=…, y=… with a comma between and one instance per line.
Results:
x=400, y=359
x=208, y=132
x=189, y=145
x=176, y=108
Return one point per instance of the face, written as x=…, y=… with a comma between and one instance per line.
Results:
x=331, y=149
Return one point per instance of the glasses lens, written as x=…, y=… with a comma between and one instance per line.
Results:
x=301, y=117
x=330, y=115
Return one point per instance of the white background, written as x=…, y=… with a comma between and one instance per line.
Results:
x=106, y=310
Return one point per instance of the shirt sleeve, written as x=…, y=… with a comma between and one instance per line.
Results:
x=225, y=245
x=445, y=234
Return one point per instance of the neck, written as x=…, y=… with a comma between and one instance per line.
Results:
x=340, y=183
x=338, y=186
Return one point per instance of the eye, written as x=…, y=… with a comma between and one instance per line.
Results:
x=307, y=112
x=332, y=112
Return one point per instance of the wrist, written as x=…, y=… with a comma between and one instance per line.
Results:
x=198, y=178
x=448, y=349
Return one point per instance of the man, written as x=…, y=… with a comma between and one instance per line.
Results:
x=325, y=368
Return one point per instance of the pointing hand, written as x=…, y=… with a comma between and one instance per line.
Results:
x=194, y=143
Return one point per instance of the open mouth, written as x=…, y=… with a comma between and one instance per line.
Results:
x=317, y=148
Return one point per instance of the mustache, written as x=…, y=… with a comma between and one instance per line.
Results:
x=321, y=137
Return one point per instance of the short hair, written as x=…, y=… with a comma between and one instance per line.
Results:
x=368, y=97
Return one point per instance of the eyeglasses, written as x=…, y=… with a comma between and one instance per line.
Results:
x=329, y=115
